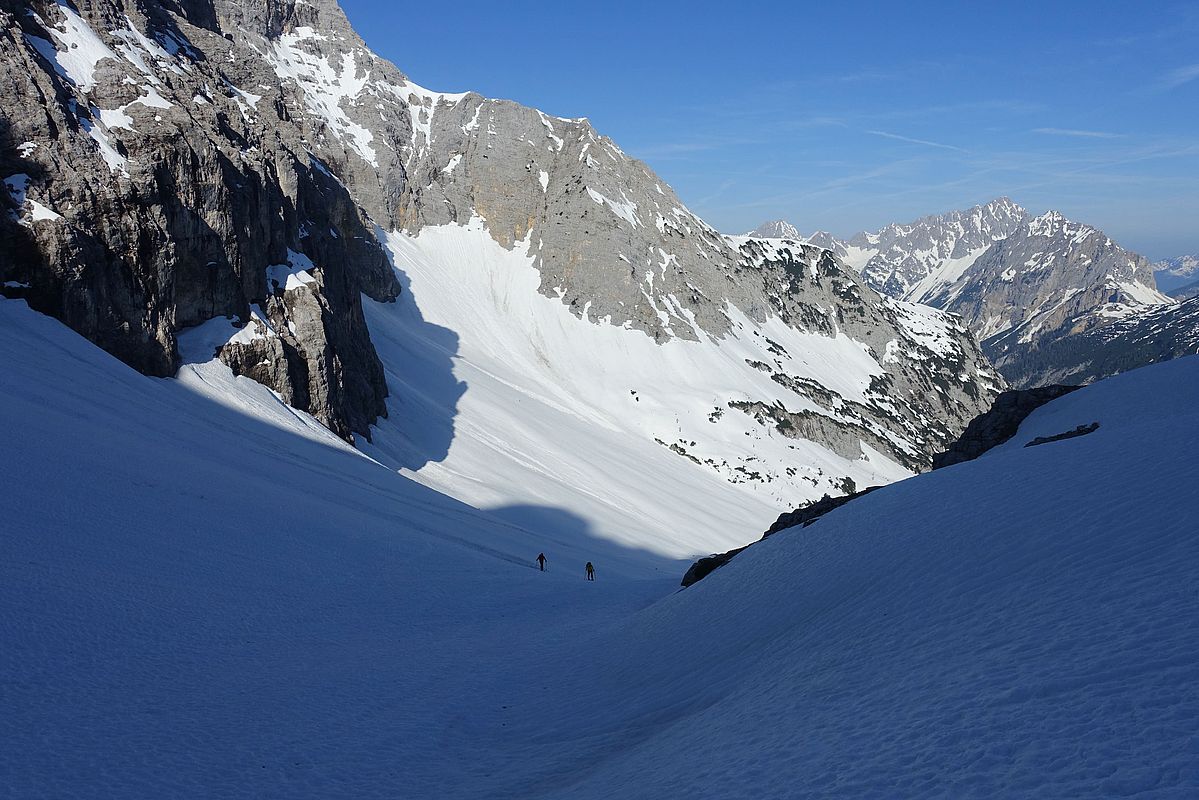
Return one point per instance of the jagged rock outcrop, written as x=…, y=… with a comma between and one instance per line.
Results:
x=1021, y=283
x=910, y=261
x=705, y=566
x=1050, y=280
x=998, y=424
x=933, y=381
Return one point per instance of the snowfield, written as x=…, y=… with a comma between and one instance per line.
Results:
x=204, y=593
x=500, y=396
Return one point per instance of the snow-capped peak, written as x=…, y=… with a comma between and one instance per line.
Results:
x=776, y=229
x=1180, y=266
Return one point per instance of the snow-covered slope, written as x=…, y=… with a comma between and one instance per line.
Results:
x=1018, y=626
x=204, y=593
x=503, y=395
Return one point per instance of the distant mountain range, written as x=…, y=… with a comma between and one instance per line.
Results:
x=1179, y=276
x=1021, y=283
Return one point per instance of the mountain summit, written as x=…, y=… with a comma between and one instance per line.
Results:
x=778, y=229
x=1020, y=282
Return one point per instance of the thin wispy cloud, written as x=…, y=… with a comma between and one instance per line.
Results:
x=1003, y=107
x=1177, y=77
x=866, y=75
x=686, y=148
x=1079, y=133
x=797, y=195
x=910, y=140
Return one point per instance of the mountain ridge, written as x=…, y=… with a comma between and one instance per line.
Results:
x=1021, y=282
x=296, y=167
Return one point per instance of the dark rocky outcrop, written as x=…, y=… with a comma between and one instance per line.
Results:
x=1081, y=430
x=707, y=565
x=800, y=517
x=999, y=424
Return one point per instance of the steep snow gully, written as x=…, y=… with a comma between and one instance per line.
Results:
x=205, y=593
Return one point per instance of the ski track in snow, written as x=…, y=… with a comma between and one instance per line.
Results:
x=203, y=593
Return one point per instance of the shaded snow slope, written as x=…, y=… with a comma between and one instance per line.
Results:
x=1021, y=625
x=205, y=593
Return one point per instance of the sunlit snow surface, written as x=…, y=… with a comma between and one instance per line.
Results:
x=203, y=593
x=553, y=409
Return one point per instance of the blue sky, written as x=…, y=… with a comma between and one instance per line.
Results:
x=846, y=116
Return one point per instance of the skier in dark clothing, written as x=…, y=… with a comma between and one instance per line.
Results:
x=541, y=561
x=590, y=572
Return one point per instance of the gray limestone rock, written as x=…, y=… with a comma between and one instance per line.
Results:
x=157, y=192
x=203, y=145
x=777, y=229
x=1021, y=283
x=1050, y=280
x=905, y=259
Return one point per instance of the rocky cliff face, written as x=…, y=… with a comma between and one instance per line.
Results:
x=933, y=379
x=909, y=261
x=1020, y=283
x=912, y=261
x=1051, y=279
x=149, y=192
